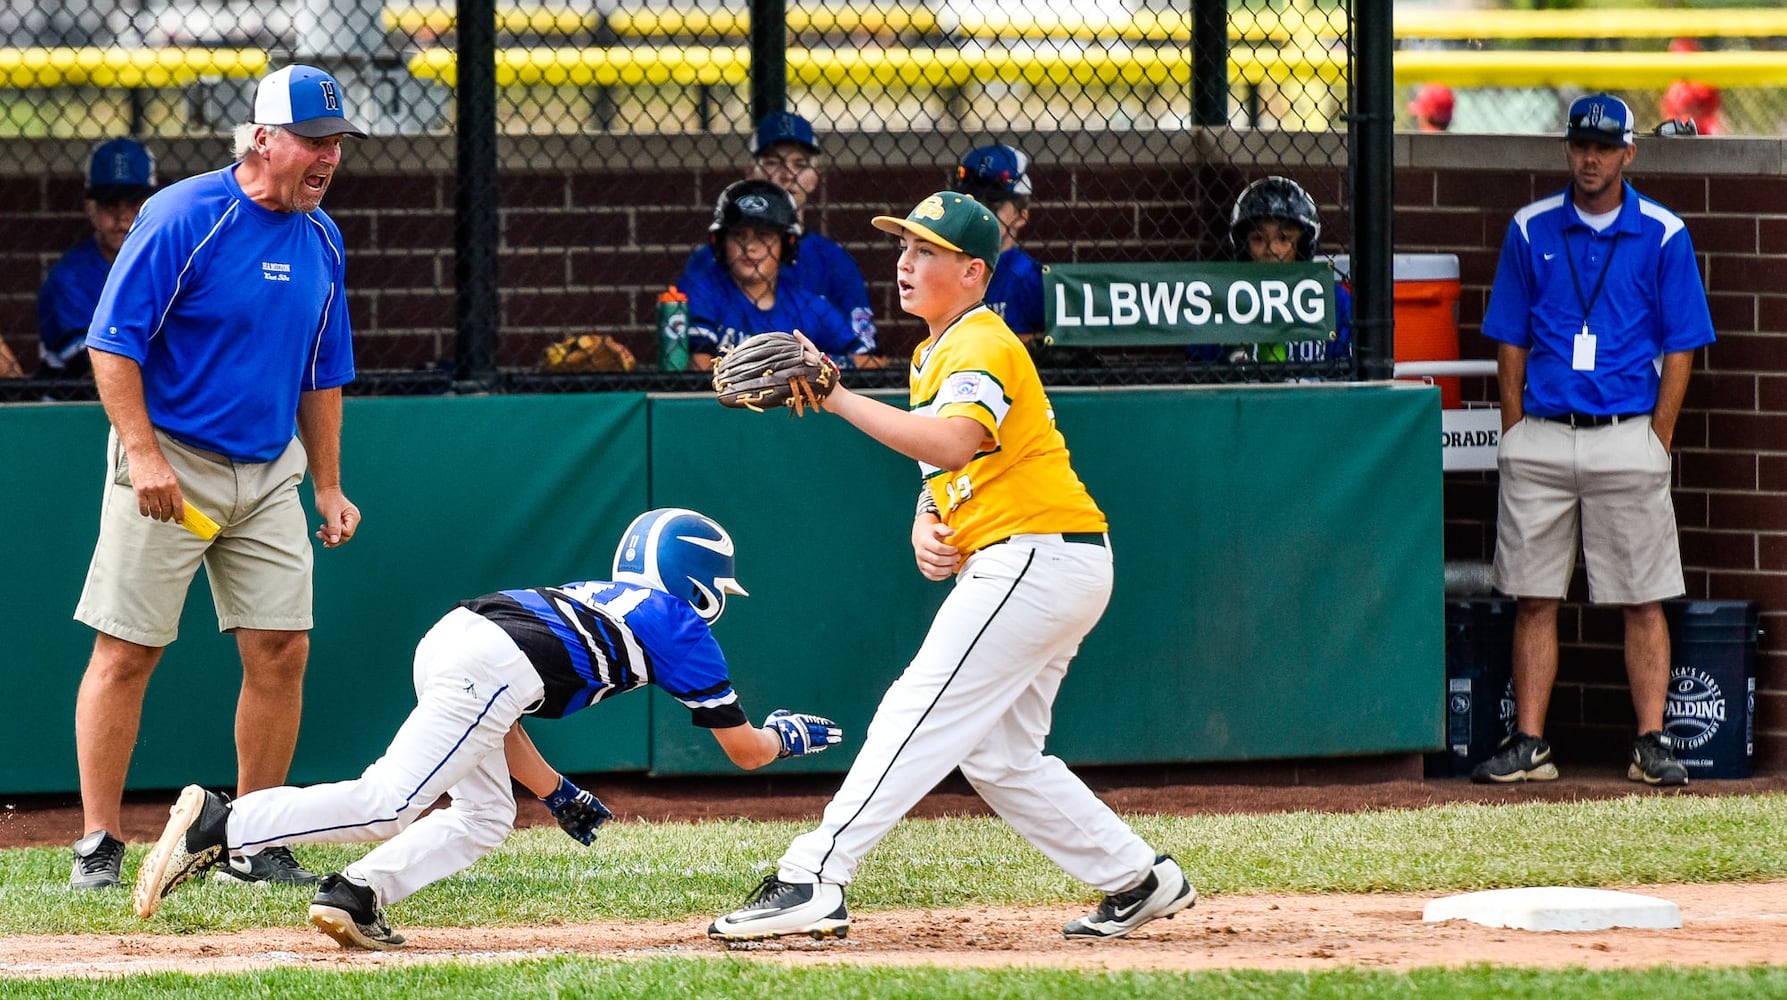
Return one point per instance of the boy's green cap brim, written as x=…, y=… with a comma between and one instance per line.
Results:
x=889, y=224
x=952, y=221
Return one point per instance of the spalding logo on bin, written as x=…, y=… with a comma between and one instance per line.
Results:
x=1695, y=710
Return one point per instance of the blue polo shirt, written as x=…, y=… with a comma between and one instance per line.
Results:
x=232, y=310
x=1652, y=303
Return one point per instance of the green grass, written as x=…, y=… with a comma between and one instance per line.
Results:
x=671, y=871
x=682, y=979
x=644, y=871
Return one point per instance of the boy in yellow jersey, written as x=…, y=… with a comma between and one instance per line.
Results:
x=1003, y=511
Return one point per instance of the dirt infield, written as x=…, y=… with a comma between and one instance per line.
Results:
x=1732, y=924
x=1722, y=925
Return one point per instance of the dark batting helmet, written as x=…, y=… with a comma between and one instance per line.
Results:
x=1274, y=198
x=759, y=204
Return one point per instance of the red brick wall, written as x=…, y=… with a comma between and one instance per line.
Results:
x=589, y=250
x=1731, y=442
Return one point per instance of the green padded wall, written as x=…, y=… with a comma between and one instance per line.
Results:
x=1278, y=572
x=461, y=496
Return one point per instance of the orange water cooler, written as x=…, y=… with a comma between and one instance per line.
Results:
x=1425, y=306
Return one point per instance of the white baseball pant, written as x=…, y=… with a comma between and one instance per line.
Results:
x=472, y=684
x=980, y=695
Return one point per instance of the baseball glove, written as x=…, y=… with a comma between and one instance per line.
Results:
x=771, y=370
x=592, y=352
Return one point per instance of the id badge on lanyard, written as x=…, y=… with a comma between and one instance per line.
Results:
x=1582, y=358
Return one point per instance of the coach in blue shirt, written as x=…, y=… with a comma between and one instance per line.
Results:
x=1598, y=307
x=219, y=346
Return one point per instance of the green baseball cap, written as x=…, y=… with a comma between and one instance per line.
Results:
x=950, y=220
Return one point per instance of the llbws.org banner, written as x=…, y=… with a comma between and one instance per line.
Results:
x=1188, y=303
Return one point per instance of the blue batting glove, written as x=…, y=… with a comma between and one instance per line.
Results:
x=802, y=734
x=578, y=812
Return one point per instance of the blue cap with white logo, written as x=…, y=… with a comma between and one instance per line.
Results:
x=993, y=174
x=783, y=126
x=120, y=169
x=1600, y=118
x=304, y=100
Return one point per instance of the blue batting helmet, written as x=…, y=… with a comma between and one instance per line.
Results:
x=682, y=553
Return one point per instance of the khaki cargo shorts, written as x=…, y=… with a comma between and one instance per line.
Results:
x=259, y=564
x=1612, y=483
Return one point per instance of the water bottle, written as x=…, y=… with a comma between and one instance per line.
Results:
x=673, y=330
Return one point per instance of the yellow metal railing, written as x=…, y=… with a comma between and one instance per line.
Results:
x=1507, y=25
x=1144, y=26
x=127, y=68
x=730, y=65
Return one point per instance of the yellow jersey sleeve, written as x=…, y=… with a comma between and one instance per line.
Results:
x=1021, y=480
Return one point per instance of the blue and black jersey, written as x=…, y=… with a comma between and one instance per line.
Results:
x=595, y=639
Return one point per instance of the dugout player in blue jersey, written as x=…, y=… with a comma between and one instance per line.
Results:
x=755, y=232
x=998, y=177
x=219, y=345
x=545, y=652
x=120, y=174
x=785, y=152
x=1597, y=309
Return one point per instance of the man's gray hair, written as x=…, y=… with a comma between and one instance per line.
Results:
x=244, y=138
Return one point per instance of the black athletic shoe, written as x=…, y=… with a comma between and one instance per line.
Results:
x=777, y=908
x=350, y=914
x=98, y=862
x=275, y=866
x=1163, y=893
x=1519, y=758
x=1654, y=763
x=194, y=839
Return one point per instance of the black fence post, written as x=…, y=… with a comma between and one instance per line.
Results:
x=475, y=198
x=1370, y=179
x=1210, y=62
x=769, y=58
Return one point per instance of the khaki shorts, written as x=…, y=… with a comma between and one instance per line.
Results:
x=259, y=564
x=1612, y=482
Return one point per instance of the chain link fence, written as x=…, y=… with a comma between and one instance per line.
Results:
x=613, y=131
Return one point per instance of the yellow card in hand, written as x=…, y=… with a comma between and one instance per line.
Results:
x=197, y=523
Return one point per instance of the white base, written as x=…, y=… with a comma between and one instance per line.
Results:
x=1555, y=908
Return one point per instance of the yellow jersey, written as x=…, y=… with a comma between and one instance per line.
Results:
x=1020, y=481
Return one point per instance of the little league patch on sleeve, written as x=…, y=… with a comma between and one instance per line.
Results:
x=964, y=386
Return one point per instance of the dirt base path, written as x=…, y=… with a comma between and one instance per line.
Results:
x=1722, y=925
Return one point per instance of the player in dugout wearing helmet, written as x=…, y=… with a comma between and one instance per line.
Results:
x=756, y=234
x=1274, y=221
x=785, y=152
x=545, y=652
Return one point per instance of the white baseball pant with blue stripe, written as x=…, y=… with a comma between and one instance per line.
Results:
x=980, y=695
x=472, y=684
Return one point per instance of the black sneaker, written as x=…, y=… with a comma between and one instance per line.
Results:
x=777, y=908
x=350, y=914
x=1519, y=758
x=1163, y=893
x=274, y=866
x=98, y=862
x=1654, y=763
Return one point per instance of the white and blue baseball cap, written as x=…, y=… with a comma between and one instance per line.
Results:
x=1600, y=118
x=304, y=100
x=994, y=173
x=120, y=169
